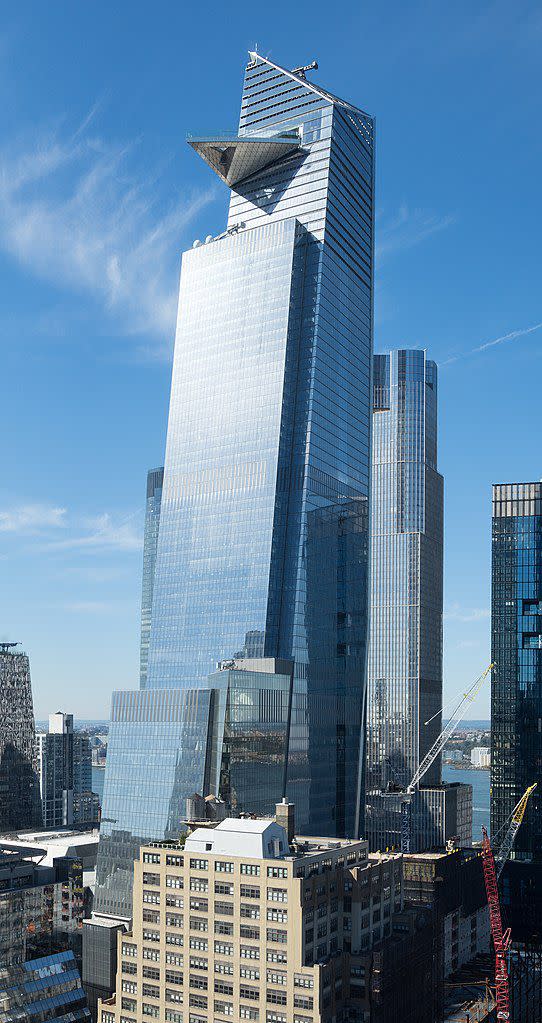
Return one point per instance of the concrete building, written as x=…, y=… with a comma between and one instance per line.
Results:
x=480, y=756
x=437, y=815
x=247, y=922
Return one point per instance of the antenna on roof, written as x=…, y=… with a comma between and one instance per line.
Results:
x=307, y=67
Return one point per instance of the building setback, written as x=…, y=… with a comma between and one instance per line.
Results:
x=516, y=694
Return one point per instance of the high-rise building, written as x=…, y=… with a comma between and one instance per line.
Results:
x=262, y=546
x=155, y=482
x=20, y=805
x=64, y=764
x=405, y=645
x=407, y=506
x=516, y=693
x=54, y=756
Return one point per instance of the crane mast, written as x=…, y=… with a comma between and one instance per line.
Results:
x=501, y=940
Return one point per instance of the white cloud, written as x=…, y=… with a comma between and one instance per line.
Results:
x=466, y=614
x=103, y=532
x=407, y=229
x=71, y=214
x=32, y=518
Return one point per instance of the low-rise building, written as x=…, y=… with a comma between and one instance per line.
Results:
x=43, y=989
x=246, y=922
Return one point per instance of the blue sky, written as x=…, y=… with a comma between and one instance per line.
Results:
x=99, y=195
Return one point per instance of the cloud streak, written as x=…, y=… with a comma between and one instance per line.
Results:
x=407, y=229
x=101, y=533
x=513, y=335
x=72, y=214
x=466, y=614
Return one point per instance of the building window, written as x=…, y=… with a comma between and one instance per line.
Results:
x=174, y=861
x=199, y=884
x=274, y=956
x=152, y=879
x=250, y=868
x=248, y=891
x=224, y=968
x=151, y=953
x=223, y=949
x=151, y=857
x=277, y=871
x=223, y=867
x=173, y=881
x=201, y=944
x=129, y=950
x=223, y=888
x=196, y=864
x=281, y=894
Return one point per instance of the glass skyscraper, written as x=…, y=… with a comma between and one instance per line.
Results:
x=262, y=546
x=261, y=563
x=516, y=692
x=405, y=648
x=155, y=480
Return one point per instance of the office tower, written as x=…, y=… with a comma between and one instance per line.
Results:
x=267, y=455
x=19, y=787
x=516, y=693
x=54, y=756
x=242, y=924
x=44, y=989
x=405, y=646
x=155, y=481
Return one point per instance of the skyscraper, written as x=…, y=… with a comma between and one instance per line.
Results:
x=405, y=646
x=20, y=805
x=155, y=480
x=54, y=756
x=407, y=505
x=264, y=504
x=516, y=692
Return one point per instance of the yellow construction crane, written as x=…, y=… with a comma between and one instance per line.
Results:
x=504, y=849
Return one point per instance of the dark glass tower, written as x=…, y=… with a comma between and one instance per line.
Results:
x=155, y=481
x=20, y=803
x=516, y=691
x=263, y=528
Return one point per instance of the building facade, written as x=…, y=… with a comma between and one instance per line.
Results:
x=155, y=482
x=516, y=692
x=407, y=508
x=44, y=989
x=264, y=517
x=20, y=804
x=243, y=923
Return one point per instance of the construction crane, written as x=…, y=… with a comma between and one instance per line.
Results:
x=456, y=717
x=503, y=851
x=501, y=939
x=493, y=865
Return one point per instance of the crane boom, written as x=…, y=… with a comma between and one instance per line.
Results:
x=449, y=729
x=505, y=848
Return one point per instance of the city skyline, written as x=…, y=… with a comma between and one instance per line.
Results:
x=71, y=522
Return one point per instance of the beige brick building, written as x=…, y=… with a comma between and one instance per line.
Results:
x=242, y=924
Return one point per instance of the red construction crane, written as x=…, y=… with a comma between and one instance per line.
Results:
x=501, y=940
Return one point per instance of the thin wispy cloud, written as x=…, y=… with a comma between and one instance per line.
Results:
x=103, y=532
x=466, y=614
x=407, y=229
x=74, y=213
x=513, y=335
x=29, y=519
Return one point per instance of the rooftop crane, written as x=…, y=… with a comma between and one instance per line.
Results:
x=457, y=715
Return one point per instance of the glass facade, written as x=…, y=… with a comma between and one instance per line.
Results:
x=20, y=803
x=43, y=989
x=516, y=650
x=156, y=757
x=405, y=648
x=264, y=516
x=155, y=480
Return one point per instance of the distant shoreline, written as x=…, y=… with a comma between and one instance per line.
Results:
x=464, y=767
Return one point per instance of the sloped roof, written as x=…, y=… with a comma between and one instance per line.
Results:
x=309, y=84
